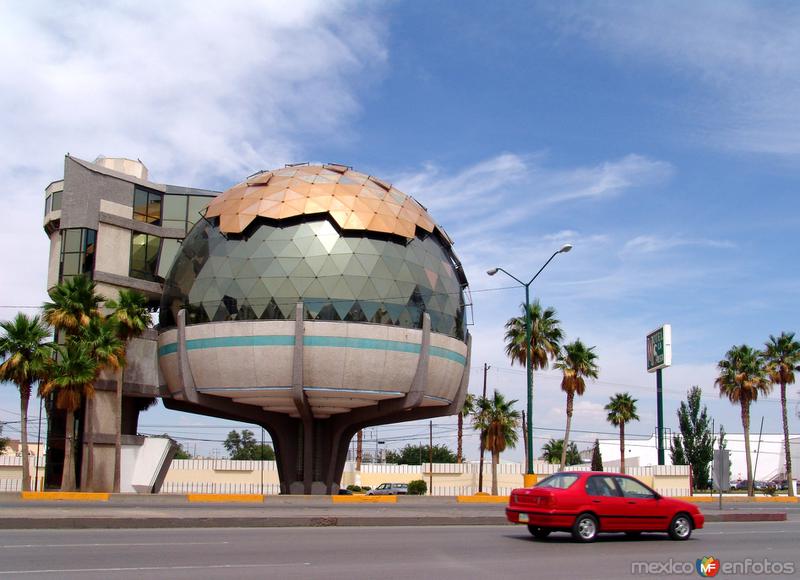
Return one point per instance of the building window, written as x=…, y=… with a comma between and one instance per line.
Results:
x=144, y=256
x=182, y=211
x=147, y=206
x=52, y=202
x=78, y=246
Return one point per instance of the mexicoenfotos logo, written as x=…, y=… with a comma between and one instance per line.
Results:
x=707, y=567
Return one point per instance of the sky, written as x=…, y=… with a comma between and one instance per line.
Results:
x=662, y=140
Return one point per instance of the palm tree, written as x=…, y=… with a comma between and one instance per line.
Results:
x=132, y=318
x=466, y=409
x=26, y=350
x=576, y=362
x=497, y=422
x=73, y=304
x=621, y=409
x=742, y=376
x=546, y=336
x=782, y=356
x=552, y=452
x=101, y=337
x=70, y=379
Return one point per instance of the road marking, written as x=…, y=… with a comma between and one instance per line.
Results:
x=148, y=544
x=154, y=568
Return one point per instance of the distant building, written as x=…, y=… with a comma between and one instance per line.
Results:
x=767, y=454
x=14, y=448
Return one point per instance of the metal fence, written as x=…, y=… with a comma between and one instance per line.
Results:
x=10, y=485
x=220, y=487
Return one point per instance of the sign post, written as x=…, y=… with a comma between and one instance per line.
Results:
x=659, y=356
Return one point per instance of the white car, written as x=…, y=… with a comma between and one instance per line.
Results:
x=390, y=489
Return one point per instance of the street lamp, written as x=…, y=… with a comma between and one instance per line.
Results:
x=529, y=476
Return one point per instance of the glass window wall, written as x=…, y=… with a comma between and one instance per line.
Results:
x=78, y=246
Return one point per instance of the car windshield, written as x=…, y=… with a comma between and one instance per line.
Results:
x=558, y=481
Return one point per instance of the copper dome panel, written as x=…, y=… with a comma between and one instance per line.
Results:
x=356, y=202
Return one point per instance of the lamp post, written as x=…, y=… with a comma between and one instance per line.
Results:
x=529, y=477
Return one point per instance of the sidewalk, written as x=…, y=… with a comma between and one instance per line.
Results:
x=161, y=511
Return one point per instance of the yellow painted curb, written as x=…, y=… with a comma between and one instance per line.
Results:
x=225, y=498
x=364, y=498
x=63, y=496
x=482, y=498
x=696, y=499
x=778, y=499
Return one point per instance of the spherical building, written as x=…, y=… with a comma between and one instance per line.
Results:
x=315, y=301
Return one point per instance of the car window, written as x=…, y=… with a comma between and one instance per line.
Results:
x=601, y=485
x=558, y=481
x=383, y=486
x=633, y=488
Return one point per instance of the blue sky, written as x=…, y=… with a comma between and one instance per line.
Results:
x=660, y=139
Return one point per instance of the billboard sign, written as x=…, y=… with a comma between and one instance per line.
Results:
x=659, y=348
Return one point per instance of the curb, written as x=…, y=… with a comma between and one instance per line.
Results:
x=20, y=523
x=63, y=496
x=224, y=498
x=482, y=499
x=244, y=522
x=747, y=517
x=363, y=498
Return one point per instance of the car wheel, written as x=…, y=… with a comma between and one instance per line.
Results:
x=681, y=527
x=585, y=528
x=539, y=533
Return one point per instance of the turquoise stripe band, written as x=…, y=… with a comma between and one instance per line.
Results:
x=312, y=341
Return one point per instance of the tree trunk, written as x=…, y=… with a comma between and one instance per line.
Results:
x=570, y=399
x=460, y=447
x=495, y=461
x=24, y=397
x=786, y=447
x=746, y=427
x=68, y=473
x=359, y=449
x=118, y=435
x=480, y=467
x=622, y=447
x=88, y=485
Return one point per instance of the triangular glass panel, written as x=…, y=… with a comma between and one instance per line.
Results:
x=343, y=307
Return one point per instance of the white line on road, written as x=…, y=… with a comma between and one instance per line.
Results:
x=126, y=544
x=154, y=568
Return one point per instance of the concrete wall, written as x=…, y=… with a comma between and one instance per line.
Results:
x=226, y=476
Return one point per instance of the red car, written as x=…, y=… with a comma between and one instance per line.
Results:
x=586, y=503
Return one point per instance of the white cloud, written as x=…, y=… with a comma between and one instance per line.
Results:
x=738, y=57
x=483, y=205
x=516, y=185
x=203, y=92
x=651, y=244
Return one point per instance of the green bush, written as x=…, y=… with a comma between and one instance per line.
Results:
x=354, y=488
x=365, y=488
x=417, y=487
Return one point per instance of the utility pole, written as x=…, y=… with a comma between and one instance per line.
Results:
x=486, y=368
x=430, y=457
x=262, y=461
x=525, y=439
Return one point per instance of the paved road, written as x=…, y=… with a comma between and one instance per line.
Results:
x=461, y=552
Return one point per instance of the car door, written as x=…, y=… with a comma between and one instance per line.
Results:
x=605, y=500
x=642, y=510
